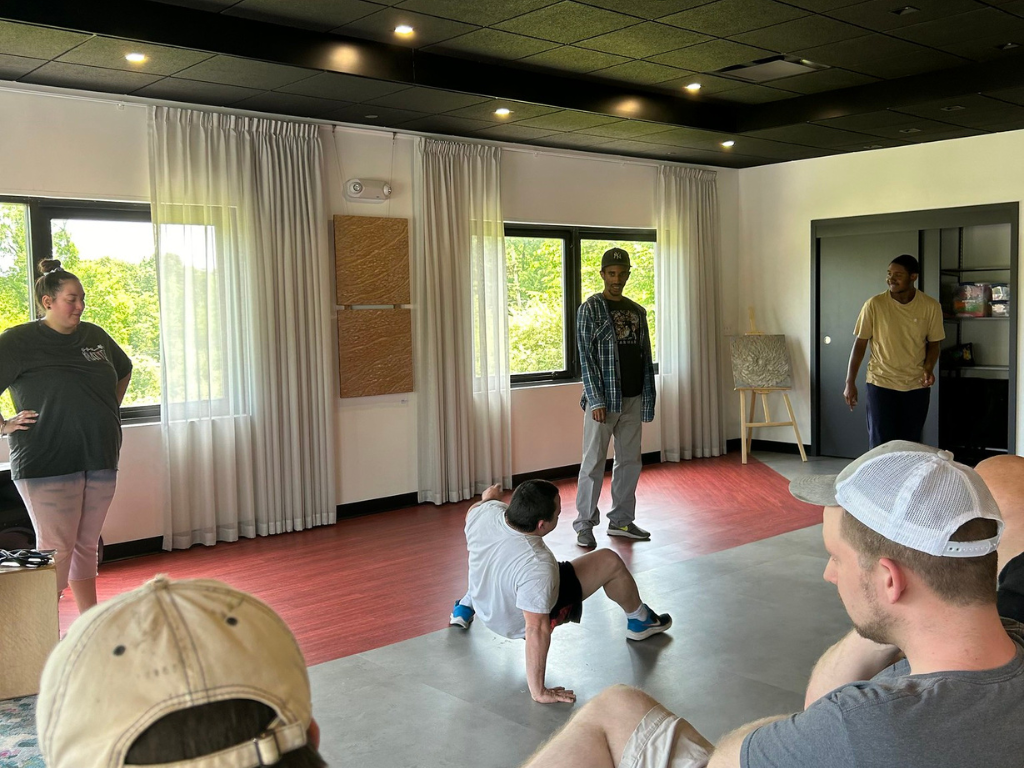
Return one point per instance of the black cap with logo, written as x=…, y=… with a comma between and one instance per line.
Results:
x=615, y=257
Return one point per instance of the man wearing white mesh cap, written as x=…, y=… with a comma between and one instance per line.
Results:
x=930, y=677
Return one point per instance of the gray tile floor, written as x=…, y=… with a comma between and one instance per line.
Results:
x=749, y=623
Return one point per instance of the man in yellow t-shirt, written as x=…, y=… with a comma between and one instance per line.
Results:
x=904, y=327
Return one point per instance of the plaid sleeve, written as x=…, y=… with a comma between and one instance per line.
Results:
x=590, y=361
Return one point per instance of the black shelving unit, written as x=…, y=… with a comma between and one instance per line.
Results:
x=977, y=403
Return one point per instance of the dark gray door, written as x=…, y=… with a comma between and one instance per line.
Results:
x=851, y=269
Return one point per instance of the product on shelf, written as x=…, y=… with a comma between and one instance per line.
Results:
x=1000, y=309
x=972, y=300
x=1000, y=292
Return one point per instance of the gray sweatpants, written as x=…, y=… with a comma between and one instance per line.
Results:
x=626, y=428
x=67, y=513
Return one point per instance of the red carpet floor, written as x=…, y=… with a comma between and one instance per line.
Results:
x=384, y=578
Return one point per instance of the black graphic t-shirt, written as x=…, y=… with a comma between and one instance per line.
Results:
x=71, y=381
x=626, y=323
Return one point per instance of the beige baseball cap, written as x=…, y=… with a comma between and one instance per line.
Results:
x=912, y=494
x=164, y=647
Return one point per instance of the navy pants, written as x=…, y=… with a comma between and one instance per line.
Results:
x=894, y=415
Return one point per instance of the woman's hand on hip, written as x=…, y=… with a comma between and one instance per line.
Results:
x=23, y=420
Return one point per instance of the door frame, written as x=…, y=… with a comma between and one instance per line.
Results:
x=880, y=223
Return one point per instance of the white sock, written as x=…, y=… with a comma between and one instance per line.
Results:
x=641, y=613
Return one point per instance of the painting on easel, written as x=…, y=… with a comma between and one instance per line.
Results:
x=761, y=361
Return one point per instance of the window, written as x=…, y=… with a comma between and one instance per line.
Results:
x=550, y=271
x=110, y=248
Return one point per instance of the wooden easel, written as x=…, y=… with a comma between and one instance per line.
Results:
x=747, y=423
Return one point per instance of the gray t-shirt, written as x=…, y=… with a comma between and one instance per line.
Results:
x=901, y=720
x=71, y=381
x=509, y=572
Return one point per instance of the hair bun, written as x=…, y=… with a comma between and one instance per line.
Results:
x=49, y=265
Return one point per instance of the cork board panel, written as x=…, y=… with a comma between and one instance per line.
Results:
x=371, y=260
x=375, y=351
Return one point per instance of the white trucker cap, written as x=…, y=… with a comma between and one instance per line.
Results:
x=164, y=647
x=911, y=494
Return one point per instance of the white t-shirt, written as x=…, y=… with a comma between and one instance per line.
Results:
x=509, y=572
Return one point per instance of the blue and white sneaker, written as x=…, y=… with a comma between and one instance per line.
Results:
x=462, y=616
x=655, y=623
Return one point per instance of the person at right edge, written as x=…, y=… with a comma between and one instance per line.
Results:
x=904, y=327
x=618, y=396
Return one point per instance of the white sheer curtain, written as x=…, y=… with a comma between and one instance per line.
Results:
x=689, y=317
x=460, y=321
x=245, y=317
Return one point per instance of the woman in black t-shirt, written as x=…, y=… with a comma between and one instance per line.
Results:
x=67, y=379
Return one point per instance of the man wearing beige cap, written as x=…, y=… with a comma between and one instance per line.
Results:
x=184, y=674
x=930, y=676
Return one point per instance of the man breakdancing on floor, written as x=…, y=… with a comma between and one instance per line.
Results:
x=930, y=677
x=520, y=590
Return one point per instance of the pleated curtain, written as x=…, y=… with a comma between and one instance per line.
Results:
x=244, y=268
x=460, y=322
x=689, y=316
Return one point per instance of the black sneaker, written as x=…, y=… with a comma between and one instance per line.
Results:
x=629, y=531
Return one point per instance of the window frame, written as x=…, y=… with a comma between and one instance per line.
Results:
x=572, y=288
x=40, y=212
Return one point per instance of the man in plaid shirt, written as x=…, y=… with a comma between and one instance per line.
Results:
x=618, y=395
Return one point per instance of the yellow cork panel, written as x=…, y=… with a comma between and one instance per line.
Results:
x=371, y=260
x=375, y=351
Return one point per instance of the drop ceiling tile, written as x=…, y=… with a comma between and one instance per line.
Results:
x=640, y=72
x=926, y=137
x=821, y=6
x=195, y=92
x=320, y=15
x=513, y=132
x=13, y=67
x=756, y=94
x=643, y=40
x=290, y=104
x=808, y=135
x=919, y=62
x=720, y=159
x=445, y=124
x=626, y=129
x=880, y=56
x=88, y=78
x=231, y=70
x=866, y=122
x=572, y=140
x=333, y=85
x=731, y=17
x=824, y=80
x=374, y=115
x=989, y=48
x=494, y=44
x=628, y=147
x=110, y=53
x=647, y=9
x=710, y=85
x=567, y=120
x=986, y=22
x=910, y=129
x=571, y=59
x=37, y=42
x=567, y=22
x=878, y=15
x=485, y=111
x=978, y=111
x=429, y=30
x=695, y=138
x=201, y=5
x=482, y=12
x=710, y=56
x=800, y=33
x=776, y=150
x=873, y=142
x=1016, y=7
x=1012, y=95
x=429, y=100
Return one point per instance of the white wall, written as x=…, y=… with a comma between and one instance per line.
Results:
x=55, y=146
x=778, y=202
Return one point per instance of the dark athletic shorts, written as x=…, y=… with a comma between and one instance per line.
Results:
x=1011, y=590
x=569, y=604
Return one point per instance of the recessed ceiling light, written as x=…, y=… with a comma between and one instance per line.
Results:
x=693, y=87
x=728, y=143
x=910, y=130
x=135, y=58
x=952, y=108
x=370, y=117
x=1008, y=46
x=905, y=10
x=404, y=29
x=503, y=111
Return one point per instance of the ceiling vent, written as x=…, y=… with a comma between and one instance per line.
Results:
x=772, y=68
